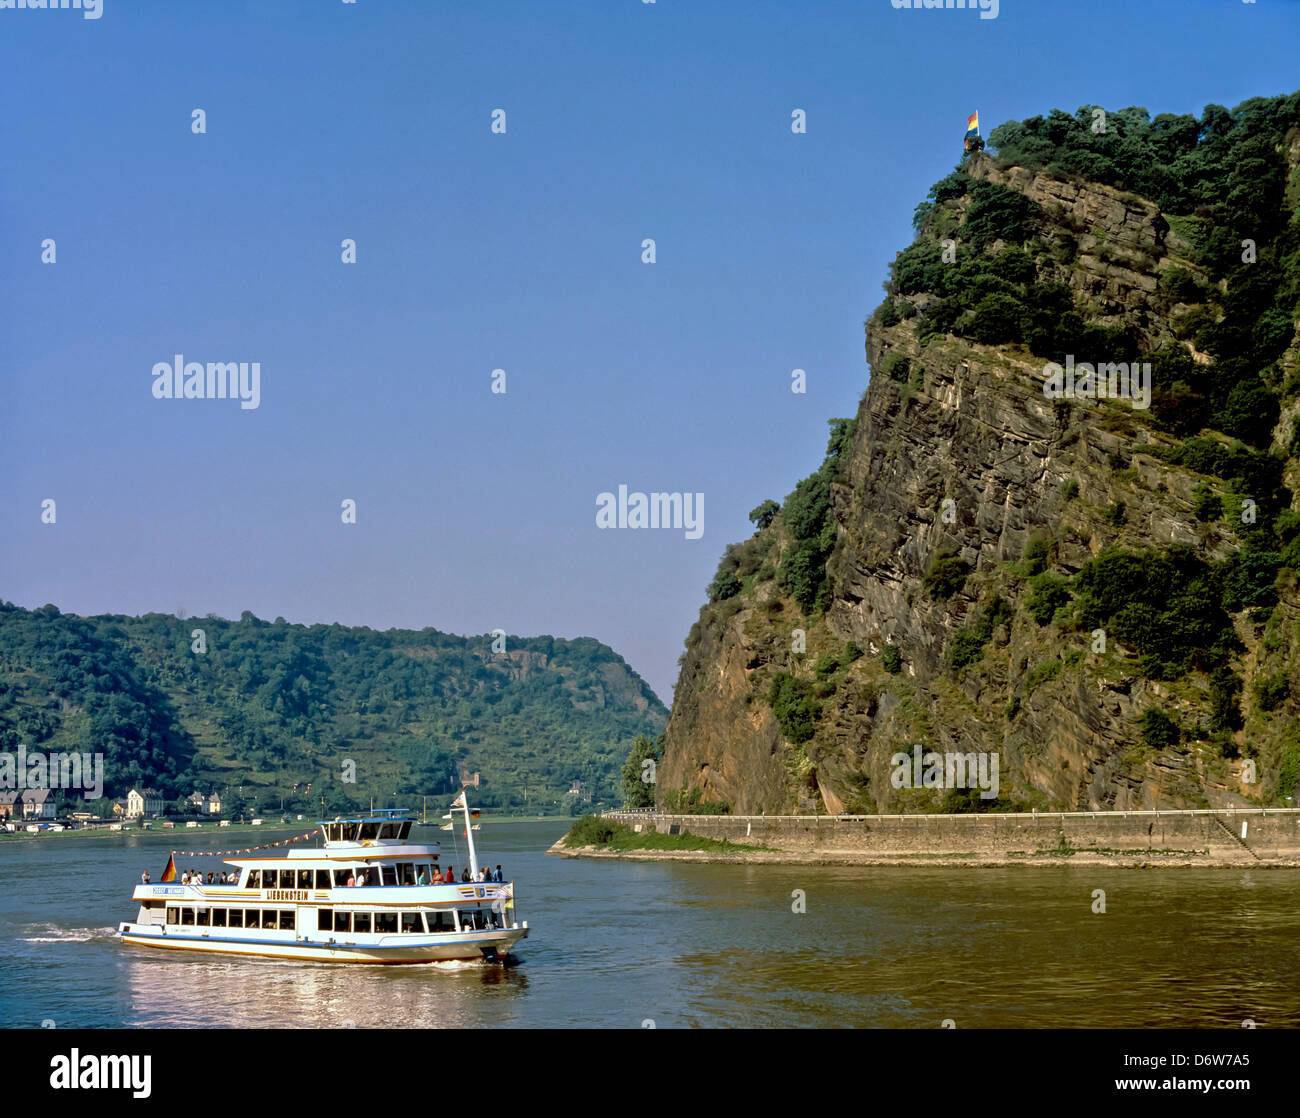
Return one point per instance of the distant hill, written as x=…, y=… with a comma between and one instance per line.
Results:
x=267, y=705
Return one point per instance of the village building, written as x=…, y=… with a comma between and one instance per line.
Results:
x=38, y=804
x=141, y=802
x=10, y=804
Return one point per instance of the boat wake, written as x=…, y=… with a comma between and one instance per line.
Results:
x=52, y=933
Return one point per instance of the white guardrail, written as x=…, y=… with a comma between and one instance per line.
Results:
x=963, y=815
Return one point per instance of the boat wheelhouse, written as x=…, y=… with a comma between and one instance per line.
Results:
x=364, y=896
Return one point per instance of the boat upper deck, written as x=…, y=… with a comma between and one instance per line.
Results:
x=370, y=852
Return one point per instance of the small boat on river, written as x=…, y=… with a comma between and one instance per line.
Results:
x=366, y=895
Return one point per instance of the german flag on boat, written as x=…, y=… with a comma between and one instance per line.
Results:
x=169, y=874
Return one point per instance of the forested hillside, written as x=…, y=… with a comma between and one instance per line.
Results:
x=268, y=705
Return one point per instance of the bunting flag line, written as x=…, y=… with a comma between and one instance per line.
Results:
x=247, y=849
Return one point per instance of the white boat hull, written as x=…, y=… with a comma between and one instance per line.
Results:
x=389, y=949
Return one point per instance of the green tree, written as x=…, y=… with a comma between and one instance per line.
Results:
x=796, y=711
x=1158, y=729
x=638, y=777
x=763, y=515
x=946, y=574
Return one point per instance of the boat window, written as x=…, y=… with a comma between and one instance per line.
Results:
x=173, y=914
x=388, y=830
x=252, y=918
x=304, y=879
x=412, y=922
x=340, y=878
x=404, y=828
x=254, y=879
x=323, y=879
x=473, y=919
x=324, y=919
x=201, y=917
x=361, y=922
x=369, y=832
x=388, y=875
x=236, y=917
x=367, y=877
x=286, y=879
x=187, y=916
x=385, y=922
x=287, y=920
x=440, y=922
x=408, y=873
x=342, y=921
x=218, y=917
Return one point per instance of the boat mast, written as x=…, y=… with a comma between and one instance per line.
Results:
x=469, y=837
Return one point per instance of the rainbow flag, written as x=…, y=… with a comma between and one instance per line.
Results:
x=972, y=129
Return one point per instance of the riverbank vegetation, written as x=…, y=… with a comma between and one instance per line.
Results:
x=591, y=830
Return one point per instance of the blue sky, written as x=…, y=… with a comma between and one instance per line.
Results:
x=478, y=251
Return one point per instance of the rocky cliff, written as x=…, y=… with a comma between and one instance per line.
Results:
x=1101, y=596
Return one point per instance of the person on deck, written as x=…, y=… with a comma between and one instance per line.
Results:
x=144, y=878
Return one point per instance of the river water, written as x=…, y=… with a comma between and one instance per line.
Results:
x=621, y=944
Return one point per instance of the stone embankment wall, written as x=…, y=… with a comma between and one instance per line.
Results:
x=1272, y=833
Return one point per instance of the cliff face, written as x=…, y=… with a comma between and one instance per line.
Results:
x=959, y=461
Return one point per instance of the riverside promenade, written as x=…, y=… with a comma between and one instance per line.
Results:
x=1235, y=837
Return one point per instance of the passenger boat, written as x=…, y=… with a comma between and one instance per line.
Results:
x=301, y=906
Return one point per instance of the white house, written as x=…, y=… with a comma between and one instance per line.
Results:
x=208, y=805
x=38, y=804
x=143, y=802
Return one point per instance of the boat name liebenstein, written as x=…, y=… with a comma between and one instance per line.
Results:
x=286, y=895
